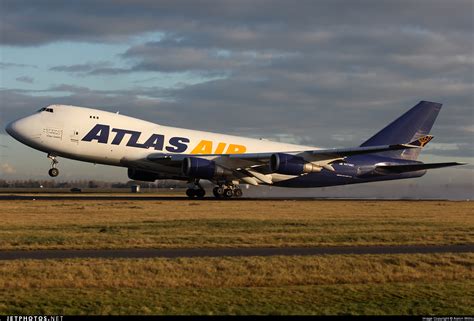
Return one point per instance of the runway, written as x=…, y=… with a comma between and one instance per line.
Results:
x=154, y=197
x=231, y=252
x=94, y=197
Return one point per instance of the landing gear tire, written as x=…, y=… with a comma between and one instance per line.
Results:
x=200, y=193
x=218, y=192
x=53, y=172
x=238, y=192
x=195, y=189
x=228, y=193
x=190, y=193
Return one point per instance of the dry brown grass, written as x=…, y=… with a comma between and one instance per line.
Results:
x=43, y=212
x=235, y=272
x=187, y=223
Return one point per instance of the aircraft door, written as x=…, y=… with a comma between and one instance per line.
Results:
x=74, y=137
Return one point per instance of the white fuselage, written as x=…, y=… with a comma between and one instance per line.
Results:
x=102, y=137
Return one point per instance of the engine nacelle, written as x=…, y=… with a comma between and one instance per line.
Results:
x=139, y=175
x=196, y=167
x=291, y=165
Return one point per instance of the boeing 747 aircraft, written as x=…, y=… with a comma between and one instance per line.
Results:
x=151, y=151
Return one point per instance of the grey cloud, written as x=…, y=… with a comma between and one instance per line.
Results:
x=161, y=56
x=33, y=22
x=25, y=79
x=4, y=65
x=91, y=69
x=395, y=49
x=151, y=92
x=461, y=150
x=359, y=51
x=81, y=68
x=109, y=71
x=146, y=80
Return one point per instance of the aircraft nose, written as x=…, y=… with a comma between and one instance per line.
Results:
x=12, y=128
x=21, y=129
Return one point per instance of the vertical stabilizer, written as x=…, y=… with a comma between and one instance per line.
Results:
x=410, y=126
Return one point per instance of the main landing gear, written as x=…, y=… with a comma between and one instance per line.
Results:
x=53, y=172
x=220, y=192
x=195, y=190
x=228, y=191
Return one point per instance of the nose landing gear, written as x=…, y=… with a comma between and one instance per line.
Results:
x=53, y=172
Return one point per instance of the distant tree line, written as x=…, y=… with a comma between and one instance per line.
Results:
x=87, y=184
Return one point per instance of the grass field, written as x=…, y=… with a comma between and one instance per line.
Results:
x=334, y=284
x=43, y=224
x=368, y=284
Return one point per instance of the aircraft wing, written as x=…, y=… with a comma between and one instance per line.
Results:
x=253, y=168
x=310, y=155
x=345, y=152
x=253, y=160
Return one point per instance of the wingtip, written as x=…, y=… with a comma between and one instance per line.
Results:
x=430, y=102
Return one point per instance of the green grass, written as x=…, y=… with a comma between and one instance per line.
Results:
x=338, y=284
x=448, y=298
x=231, y=233
x=174, y=223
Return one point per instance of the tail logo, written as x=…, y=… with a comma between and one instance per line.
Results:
x=424, y=140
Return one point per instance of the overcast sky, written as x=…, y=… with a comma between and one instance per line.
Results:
x=325, y=73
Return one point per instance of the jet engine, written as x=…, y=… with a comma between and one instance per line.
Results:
x=140, y=175
x=196, y=167
x=291, y=165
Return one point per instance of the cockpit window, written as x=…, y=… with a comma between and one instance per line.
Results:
x=50, y=110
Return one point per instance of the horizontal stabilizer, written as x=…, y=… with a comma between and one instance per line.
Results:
x=413, y=167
